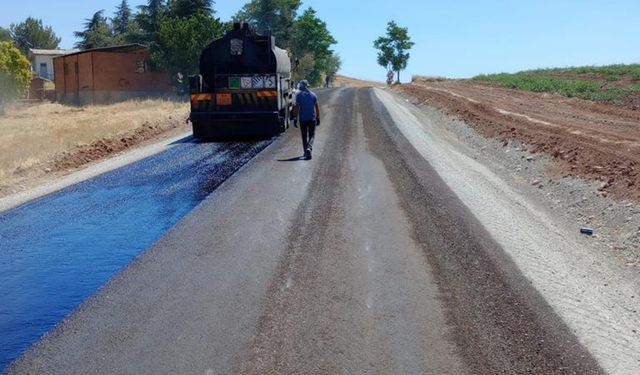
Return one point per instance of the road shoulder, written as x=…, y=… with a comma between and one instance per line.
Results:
x=582, y=285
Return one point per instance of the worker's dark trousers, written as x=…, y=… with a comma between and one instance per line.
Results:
x=308, y=130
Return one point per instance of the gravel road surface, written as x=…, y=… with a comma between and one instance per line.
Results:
x=363, y=260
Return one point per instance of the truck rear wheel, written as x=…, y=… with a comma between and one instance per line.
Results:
x=198, y=130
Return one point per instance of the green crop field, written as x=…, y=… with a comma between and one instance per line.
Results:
x=611, y=83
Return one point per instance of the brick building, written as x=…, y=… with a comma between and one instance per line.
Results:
x=108, y=75
x=41, y=89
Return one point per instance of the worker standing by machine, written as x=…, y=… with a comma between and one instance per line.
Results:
x=307, y=111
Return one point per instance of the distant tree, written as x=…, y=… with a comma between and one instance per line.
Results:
x=333, y=64
x=97, y=32
x=5, y=35
x=393, y=48
x=188, y=8
x=32, y=34
x=305, y=66
x=311, y=36
x=148, y=18
x=180, y=42
x=275, y=16
x=306, y=37
x=122, y=18
x=125, y=26
x=15, y=73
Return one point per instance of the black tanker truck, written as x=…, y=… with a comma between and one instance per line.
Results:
x=244, y=87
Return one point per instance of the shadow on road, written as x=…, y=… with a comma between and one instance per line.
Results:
x=297, y=158
x=187, y=139
x=230, y=139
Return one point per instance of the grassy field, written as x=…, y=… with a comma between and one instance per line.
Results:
x=612, y=83
x=32, y=135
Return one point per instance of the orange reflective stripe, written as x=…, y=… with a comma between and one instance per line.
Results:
x=267, y=94
x=200, y=97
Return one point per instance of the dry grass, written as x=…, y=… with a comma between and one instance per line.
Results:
x=33, y=135
x=340, y=81
x=418, y=78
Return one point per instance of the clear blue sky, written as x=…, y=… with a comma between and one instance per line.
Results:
x=454, y=38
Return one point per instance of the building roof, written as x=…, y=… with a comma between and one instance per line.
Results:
x=51, y=52
x=126, y=48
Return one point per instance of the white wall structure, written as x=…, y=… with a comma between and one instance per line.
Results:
x=42, y=61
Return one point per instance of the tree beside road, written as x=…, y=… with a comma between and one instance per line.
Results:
x=183, y=29
x=393, y=48
x=274, y=16
x=306, y=37
x=311, y=37
x=180, y=42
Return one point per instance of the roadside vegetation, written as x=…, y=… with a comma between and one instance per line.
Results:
x=611, y=83
x=15, y=73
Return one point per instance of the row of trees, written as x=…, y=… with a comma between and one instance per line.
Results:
x=140, y=27
x=177, y=30
x=30, y=33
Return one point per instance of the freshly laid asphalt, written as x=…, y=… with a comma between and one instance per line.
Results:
x=361, y=260
x=58, y=250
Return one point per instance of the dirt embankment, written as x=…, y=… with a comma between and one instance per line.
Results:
x=44, y=141
x=596, y=141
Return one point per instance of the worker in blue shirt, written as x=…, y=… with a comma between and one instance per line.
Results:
x=307, y=111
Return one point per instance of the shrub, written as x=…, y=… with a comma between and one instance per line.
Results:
x=15, y=72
